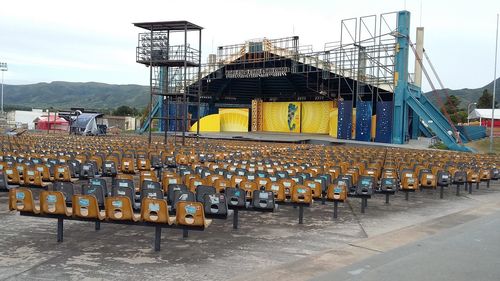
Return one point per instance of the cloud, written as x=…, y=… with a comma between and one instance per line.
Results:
x=86, y=40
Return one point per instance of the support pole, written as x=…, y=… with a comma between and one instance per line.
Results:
x=441, y=192
x=166, y=105
x=458, y=190
x=363, y=205
x=335, y=207
x=60, y=226
x=184, y=84
x=200, y=85
x=407, y=195
x=470, y=188
x=157, y=238
x=492, y=125
x=301, y=214
x=97, y=225
x=235, y=219
x=3, y=68
x=400, y=112
x=150, y=88
x=387, y=196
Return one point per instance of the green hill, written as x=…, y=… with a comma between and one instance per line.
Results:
x=466, y=96
x=64, y=95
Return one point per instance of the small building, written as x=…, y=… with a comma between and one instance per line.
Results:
x=483, y=115
x=23, y=118
x=125, y=123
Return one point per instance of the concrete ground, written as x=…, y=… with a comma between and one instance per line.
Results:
x=462, y=253
x=267, y=246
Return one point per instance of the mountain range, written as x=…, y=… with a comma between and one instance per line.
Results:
x=466, y=96
x=64, y=95
x=92, y=95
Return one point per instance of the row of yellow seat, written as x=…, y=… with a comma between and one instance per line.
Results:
x=118, y=208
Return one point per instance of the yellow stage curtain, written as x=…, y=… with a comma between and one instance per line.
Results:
x=316, y=117
x=334, y=119
x=233, y=119
x=281, y=117
x=209, y=123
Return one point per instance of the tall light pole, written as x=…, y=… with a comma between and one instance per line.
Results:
x=468, y=112
x=3, y=68
x=494, y=92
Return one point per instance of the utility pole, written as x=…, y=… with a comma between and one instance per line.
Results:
x=494, y=92
x=3, y=68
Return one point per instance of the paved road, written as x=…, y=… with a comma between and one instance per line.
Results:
x=470, y=251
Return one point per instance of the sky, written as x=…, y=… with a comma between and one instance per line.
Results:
x=92, y=40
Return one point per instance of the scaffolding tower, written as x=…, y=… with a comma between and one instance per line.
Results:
x=173, y=63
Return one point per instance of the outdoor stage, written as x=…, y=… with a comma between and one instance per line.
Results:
x=421, y=143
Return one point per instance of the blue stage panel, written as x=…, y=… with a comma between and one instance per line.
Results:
x=344, y=125
x=384, y=121
x=363, y=120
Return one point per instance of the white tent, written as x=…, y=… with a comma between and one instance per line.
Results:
x=484, y=114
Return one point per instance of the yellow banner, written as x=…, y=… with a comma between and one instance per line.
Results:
x=233, y=119
x=209, y=123
x=316, y=116
x=281, y=117
x=334, y=119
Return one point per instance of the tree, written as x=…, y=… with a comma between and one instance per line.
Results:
x=485, y=99
x=451, y=104
x=125, y=111
x=451, y=107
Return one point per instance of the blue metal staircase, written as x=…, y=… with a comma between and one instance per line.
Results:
x=433, y=118
x=151, y=114
x=425, y=130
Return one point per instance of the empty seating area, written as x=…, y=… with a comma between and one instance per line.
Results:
x=124, y=180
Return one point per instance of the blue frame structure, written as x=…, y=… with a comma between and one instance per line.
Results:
x=408, y=97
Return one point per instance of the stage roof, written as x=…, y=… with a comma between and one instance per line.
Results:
x=310, y=85
x=168, y=25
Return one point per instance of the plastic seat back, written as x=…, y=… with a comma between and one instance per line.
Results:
x=62, y=173
x=53, y=202
x=95, y=190
x=215, y=204
x=190, y=214
x=102, y=183
x=21, y=199
x=86, y=206
x=202, y=190
x=183, y=195
x=155, y=210
x=124, y=189
x=388, y=185
x=278, y=190
x=337, y=191
x=109, y=168
x=235, y=197
x=119, y=208
x=171, y=191
x=154, y=191
x=67, y=188
x=366, y=185
x=263, y=200
x=301, y=194
x=316, y=187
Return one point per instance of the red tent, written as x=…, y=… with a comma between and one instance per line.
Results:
x=55, y=123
